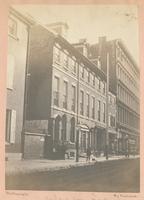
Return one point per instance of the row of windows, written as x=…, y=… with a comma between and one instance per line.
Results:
x=62, y=58
x=124, y=59
x=90, y=78
x=127, y=98
x=94, y=104
x=127, y=79
x=67, y=62
x=87, y=103
x=126, y=117
x=62, y=134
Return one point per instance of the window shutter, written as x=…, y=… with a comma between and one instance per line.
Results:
x=13, y=126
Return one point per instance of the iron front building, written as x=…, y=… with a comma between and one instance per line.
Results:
x=124, y=83
x=66, y=93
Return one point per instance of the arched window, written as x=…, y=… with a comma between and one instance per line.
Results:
x=72, y=130
x=57, y=128
x=64, y=128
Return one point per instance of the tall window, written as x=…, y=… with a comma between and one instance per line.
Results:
x=99, y=84
x=73, y=98
x=99, y=109
x=56, y=91
x=96, y=82
x=12, y=27
x=81, y=102
x=57, y=55
x=88, y=76
x=87, y=105
x=81, y=71
x=65, y=94
x=73, y=66
x=72, y=130
x=10, y=126
x=104, y=112
x=65, y=60
x=64, y=128
x=104, y=87
x=93, y=80
x=93, y=107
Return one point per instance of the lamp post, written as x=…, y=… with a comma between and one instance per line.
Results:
x=77, y=144
x=107, y=110
x=27, y=79
x=118, y=137
x=126, y=146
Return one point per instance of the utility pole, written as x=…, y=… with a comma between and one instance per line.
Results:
x=77, y=128
x=107, y=110
x=27, y=79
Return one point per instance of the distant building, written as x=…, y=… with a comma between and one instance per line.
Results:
x=113, y=143
x=124, y=83
x=66, y=92
x=18, y=33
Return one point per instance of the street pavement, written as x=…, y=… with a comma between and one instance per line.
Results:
x=14, y=167
x=114, y=175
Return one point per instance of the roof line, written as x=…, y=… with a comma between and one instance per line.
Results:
x=120, y=41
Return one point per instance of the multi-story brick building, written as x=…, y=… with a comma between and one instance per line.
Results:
x=18, y=32
x=124, y=83
x=66, y=91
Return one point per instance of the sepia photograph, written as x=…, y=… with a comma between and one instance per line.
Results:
x=73, y=98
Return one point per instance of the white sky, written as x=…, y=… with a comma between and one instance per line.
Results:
x=92, y=21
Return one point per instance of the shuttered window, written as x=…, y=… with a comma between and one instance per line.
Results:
x=10, y=126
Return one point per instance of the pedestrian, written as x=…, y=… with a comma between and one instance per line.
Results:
x=88, y=154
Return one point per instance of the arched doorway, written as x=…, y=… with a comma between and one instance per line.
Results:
x=84, y=138
x=57, y=128
x=72, y=130
x=64, y=128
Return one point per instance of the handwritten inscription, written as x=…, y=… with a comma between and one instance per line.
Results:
x=16, y=193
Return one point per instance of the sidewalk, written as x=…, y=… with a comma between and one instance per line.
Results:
x=14, y=167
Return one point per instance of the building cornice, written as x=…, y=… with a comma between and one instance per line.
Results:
x=80, y=56
x=125, y=49
x=26, y=20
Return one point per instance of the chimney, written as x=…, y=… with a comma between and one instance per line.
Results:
x=82, y=46
x=60, y=28
x=102, y=52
